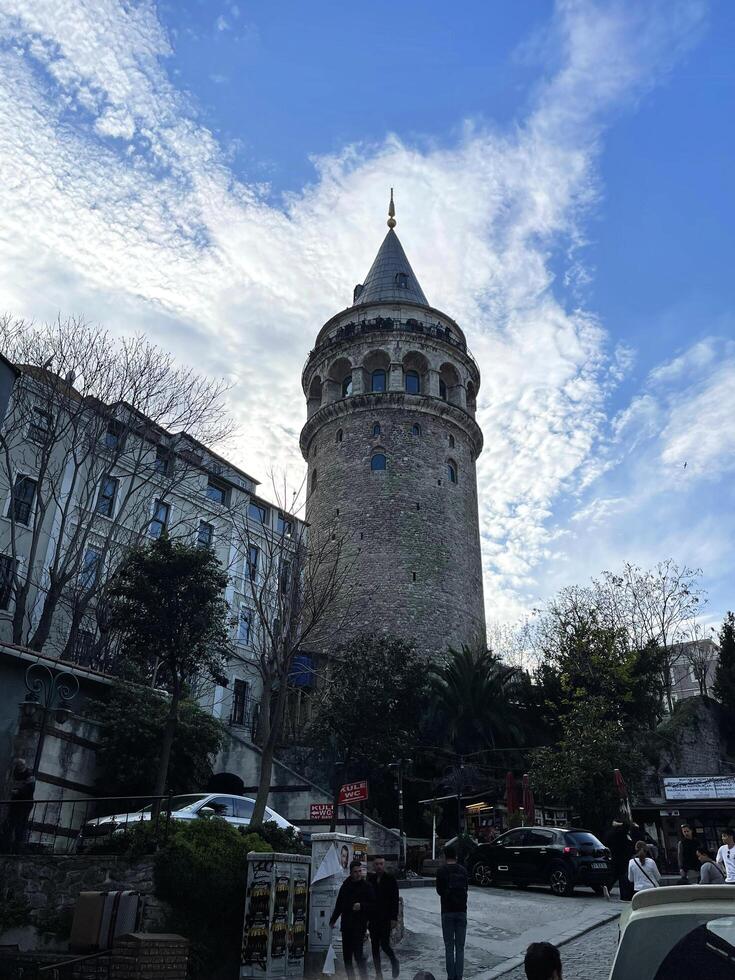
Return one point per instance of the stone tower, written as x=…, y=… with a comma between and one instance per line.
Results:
x=391, y=442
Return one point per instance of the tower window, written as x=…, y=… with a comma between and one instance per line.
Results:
x=347, y=386
x=338, y=437
x=378, y=462
x=442, y=389
x=378, y=380
x=412, y=382
x=402, y=280
x=416, y=429
x=452, y=471
x=451, y=442
x=376, y=430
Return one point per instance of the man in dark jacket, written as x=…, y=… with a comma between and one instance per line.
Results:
x=354, y=906
x=451, y=885
x=384, y=916
x=686, y=854
x=622, y=850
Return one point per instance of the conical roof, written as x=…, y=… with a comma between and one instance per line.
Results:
x=391, y=277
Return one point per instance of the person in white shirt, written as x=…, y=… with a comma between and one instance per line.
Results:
x=726, y=856
x=642, y=870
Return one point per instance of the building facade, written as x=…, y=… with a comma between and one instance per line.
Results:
x=391, y=444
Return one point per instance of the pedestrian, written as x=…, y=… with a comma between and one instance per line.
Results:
x=686, y=853
x=638, y=833
x=451, y=886
x=353, y=907
x=542, y=962
x=642, y=871
x=384, y=915
x=710, y=872
x=22, y=787
x=621, y=850
x=726, y=856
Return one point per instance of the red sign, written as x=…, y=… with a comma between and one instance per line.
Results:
x=321, y=811
x=354, y=792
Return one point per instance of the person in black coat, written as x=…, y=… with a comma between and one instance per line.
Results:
x=354, y=907
x=622, y=849
x=384, y=916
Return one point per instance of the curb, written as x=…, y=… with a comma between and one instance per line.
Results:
x=415, y=883
x=517, y=961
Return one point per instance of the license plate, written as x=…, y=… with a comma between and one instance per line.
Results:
x=599, y=866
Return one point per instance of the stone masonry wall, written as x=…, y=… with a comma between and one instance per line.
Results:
x=50, y=886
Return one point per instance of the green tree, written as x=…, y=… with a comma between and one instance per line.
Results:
x=373, y=706
x=169, y=615
x=724, y=685
x=134, y=719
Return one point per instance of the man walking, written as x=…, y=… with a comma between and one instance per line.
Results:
x=621, y=848
x=384, y=915
x=726, y=856
x=354, y=906
x=451, y=885
x=686, y=852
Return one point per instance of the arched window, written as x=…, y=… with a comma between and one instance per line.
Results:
x=313, y=480
x=338, y=437
x=442, y=389
x=416, y=429
x=412, y=382
x=347, y=386
x=376, y=430
x=378, y=462
x=451, y=442
x=378, y=380
x=452, y=471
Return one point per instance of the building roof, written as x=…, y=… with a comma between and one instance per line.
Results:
x=391, y=277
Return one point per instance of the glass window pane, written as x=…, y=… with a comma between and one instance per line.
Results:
x=378, y=380
x=378, y=462
x=413, y=383
x=244, y=808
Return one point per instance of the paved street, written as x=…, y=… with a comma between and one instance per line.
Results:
x=501, y=922
x=588, y=958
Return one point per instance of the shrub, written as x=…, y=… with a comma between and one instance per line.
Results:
x=285, y=841
x=14, y=912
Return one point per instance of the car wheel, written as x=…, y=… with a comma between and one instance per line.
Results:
x=561, y=881
x=482, y=874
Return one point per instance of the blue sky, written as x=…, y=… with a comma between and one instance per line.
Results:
x=216, y=175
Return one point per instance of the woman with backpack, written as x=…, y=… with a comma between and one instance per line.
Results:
x=710, y=872
x=642, y=870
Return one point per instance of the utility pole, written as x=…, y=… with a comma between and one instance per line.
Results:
x=398, y=766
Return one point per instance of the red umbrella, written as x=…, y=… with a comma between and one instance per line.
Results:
x=529, y=807
x=510, y=793
x=622, y=793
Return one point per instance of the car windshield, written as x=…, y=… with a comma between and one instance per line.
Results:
x=580, y=838
x=677, y=947
x=178, y=803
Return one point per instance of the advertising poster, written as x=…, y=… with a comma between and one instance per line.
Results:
x=256, y=930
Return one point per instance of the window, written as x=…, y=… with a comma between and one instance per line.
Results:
x=401, y=280
x=40, y=427
x=7, y=571
x=159, y=521
x=114, y=435
x=162, y=461
x=377, y=380
x=244, y=621
x=412, y=382
x=284, y=526
x=22, y=499
x=452, y=471
x=205, y=534
x=222, y=806
x=378, y=462
x=416, y=429
x=106, y=497
x=347, y=386
x=376, y=430
x=442, y=389
x=338, y=437
x=244, y=808
x=258, y=512
x=538, y=838
x=216, y=491
x=451, y=442
x=83, y=647
x=91, y=565
x=253, y=555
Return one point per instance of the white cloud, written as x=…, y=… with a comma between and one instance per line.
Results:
x=156, y=233
x=222, y=24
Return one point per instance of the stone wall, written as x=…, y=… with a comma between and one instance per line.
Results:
x=51, y=884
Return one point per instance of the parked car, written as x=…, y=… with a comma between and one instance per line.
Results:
x=236, y=810
x=561, y=858
x=676, y=933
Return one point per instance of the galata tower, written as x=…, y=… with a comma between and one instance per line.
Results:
x=391, y=443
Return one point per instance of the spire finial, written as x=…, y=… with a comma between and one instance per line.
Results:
x=391, y=211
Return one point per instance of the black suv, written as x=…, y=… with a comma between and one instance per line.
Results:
x=543, y=856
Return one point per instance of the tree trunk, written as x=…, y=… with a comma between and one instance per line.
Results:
x=43, y=629
x=271, y=730
x=167, y=742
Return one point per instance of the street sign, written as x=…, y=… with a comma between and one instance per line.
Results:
x=354, y=792
x=321, y=811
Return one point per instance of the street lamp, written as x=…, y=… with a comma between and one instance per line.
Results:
x=49, y=691
x=398, y=766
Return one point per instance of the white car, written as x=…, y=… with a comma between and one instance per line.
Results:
x=681, y=932
x=236, y=810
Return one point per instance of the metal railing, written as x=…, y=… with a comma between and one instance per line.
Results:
x=75, y=826
x=15, y=965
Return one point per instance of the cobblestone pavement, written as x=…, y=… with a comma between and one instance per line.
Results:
x=588, y=958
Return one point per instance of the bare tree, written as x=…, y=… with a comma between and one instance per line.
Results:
x=297, y=584
x=699, y=653
x=100, y=434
